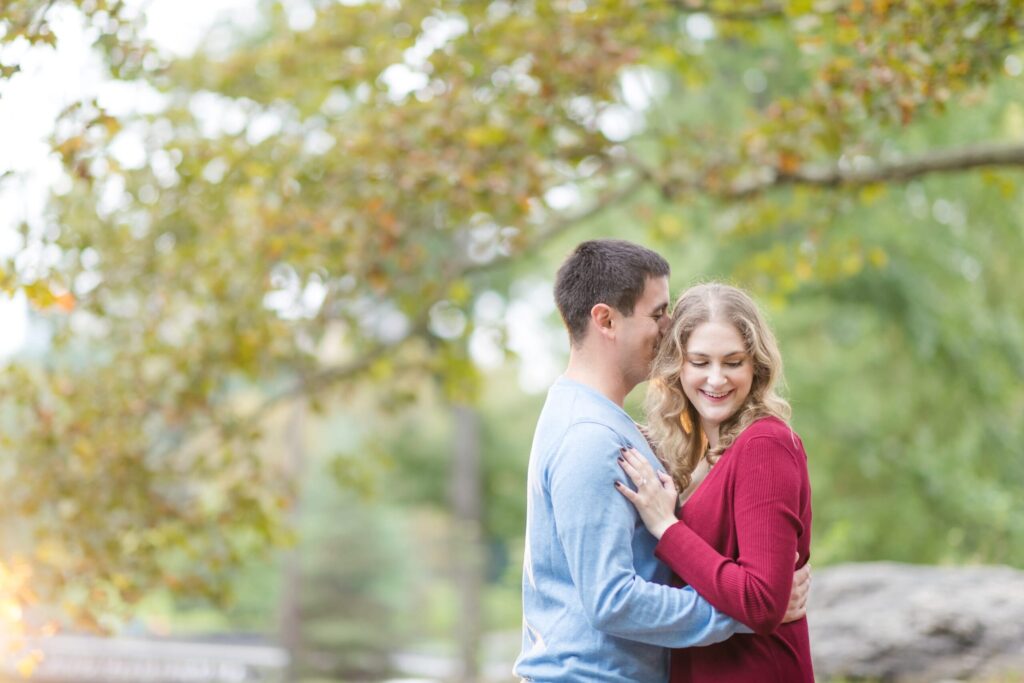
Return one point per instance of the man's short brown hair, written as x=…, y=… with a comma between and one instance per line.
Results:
x=612, y=272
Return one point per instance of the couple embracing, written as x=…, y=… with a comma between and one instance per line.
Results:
x=605, y=529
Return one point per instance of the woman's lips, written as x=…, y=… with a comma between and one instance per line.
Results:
x=716, y=397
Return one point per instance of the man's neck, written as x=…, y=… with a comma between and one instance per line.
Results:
x=600, y=374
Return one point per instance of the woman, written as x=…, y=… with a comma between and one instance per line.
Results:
x=713, y=401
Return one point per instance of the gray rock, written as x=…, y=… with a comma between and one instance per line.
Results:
x=899, y=622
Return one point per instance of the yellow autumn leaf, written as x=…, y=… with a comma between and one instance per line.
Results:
x=869, y=194
x=796, y=8
x=26, y=666
x=120, y=581
x=459, y=292
x=878, y=258
x=486, y=136
x=1013, y=121
x=843, y=63
x=847, y=34
x=84, y=449
x=852, y=263
x=1007, y=187
x=51, y=552
x=39, y=294
x=670, y=225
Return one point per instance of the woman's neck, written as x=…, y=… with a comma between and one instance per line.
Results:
x=711, y=431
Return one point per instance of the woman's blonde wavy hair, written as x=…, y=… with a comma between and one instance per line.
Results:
x=666, y=403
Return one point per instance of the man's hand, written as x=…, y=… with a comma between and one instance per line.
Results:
x=797, y=608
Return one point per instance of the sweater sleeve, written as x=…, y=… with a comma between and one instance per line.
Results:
x=595, y=526
x=755, y=587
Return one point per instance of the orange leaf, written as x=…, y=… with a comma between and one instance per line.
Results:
x=65, y=302
x=906, y=111
x=789, y=162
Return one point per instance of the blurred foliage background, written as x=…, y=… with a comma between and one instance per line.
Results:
x=298, y=323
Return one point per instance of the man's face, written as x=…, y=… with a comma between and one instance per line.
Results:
x=641, y=332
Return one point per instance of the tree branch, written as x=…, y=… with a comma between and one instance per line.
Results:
x=305, y=386
x=845, y=174
x=765, y=11
x=857, y=174
x=41, y=18
x=327, y=378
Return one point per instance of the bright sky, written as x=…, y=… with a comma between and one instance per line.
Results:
x=49, y=81
x=52, y=79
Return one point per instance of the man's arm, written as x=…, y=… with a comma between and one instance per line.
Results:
x=595, y=526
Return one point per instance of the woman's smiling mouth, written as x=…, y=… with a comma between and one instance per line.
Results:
x=715, y=396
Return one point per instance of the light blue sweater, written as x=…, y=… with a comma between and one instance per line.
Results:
x=595, y=607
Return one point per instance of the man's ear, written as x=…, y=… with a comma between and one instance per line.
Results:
x=603, y=317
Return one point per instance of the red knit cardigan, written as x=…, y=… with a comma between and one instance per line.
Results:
x=740, y=533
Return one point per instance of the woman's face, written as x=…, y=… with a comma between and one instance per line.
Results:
x=717, y=373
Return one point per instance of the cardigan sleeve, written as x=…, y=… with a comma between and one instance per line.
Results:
x=755, y=587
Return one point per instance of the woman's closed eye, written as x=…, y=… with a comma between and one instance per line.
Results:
x=729, y=364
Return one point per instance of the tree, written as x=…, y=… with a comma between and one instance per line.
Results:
x=323, y=202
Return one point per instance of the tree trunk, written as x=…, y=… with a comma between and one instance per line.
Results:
x=467, y=540
x=289, y=609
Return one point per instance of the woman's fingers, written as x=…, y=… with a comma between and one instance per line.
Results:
x=640, y=471
x=638, y=461
x=640, y=464
x=629, y=493
x=655, y=504
x=631, y=471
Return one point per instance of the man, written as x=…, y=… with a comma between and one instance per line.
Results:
x=595, y=603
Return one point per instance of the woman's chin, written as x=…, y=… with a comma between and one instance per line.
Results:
x=712, y=417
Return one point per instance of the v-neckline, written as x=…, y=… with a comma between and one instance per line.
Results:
x=712, y=468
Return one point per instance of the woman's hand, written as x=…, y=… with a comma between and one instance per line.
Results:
x=655, y=497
